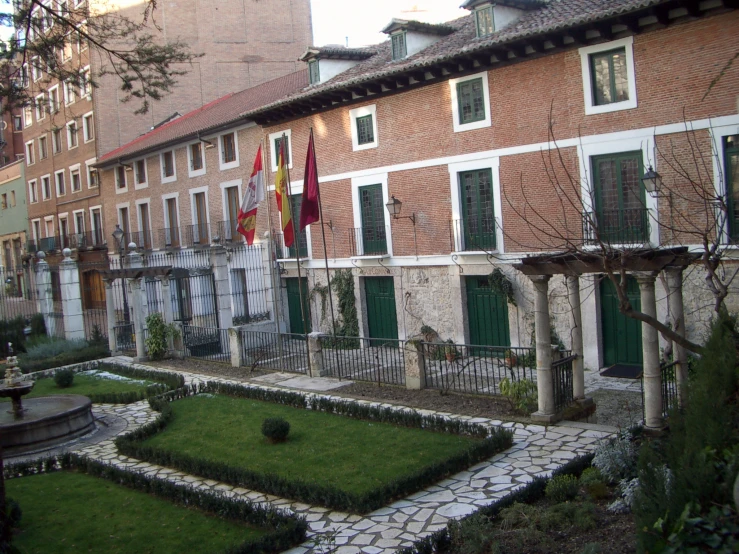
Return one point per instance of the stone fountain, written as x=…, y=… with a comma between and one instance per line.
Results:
x=39, y=422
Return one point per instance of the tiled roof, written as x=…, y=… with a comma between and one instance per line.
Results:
x=419, y=26
x=338, y=53
x=521, y=4
x=220, y=112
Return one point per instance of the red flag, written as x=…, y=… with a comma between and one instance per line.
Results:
x=247, y=217
x=309, y=207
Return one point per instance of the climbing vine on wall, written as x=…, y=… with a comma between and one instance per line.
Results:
x=343, y=285
x=502, y=285
x=322, y=291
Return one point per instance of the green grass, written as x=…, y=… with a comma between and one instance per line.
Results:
x=353, y=455
x=73, y=512
x=85, y=385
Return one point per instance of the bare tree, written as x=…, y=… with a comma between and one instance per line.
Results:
x=46, y=32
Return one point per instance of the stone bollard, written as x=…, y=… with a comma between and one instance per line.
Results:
x=415, y=365
x=315, y=355
x=234, y=341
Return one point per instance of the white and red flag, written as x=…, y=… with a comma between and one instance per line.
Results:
x=252, y=197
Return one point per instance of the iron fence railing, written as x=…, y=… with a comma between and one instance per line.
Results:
x=627, y=226
x=209, y=343
x=669, y=388
x=250, y=279
x=380, y=361
x=195, y=235
x=562, y=380
x=125, y=338
x=168, y=237
x=227, y=230
x=280, y=351
x=476, y=369
x=368, y=241
x=49, y=244
x=473, y=235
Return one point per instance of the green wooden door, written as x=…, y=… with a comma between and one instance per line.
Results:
x=478, y=214
x=374, y=242
x=293, y=305
x=621, y=335
x=382, y=318
x=296, y=201
x=487, y=314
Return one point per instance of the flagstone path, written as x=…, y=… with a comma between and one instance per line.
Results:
x=536, y=452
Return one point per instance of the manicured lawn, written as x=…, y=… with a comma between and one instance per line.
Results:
x=73, y=512
x=354, y=455
x=86, y=385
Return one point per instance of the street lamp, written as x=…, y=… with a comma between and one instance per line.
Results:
x=652, y=181
x=393, y=207
x=118, y=237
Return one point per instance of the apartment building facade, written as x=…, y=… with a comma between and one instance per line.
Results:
x=496, y=136
x=13, y=228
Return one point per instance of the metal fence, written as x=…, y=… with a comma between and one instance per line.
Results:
x=476, y=369
x=18, y=292
x=125, y=338
x=669, y=389
x=250, y=284
x=280, y=351
x=363, y=359
x=562, y=380
x=207, y=343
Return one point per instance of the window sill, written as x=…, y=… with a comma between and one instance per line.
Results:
x=121, y=191
x=608, y=108
x=368, y=257
x=139, y=186
x=196, y=173
x=229, y=165
x=368, y=146
x=169, y=179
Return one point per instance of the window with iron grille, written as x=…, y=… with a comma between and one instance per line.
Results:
x=609, y=76
x=484, y=21
x=286, y=152
x=365, y=130
x=478, y=210
x=313, y=72
x=228, y=145
x=399, y=47
x=471, y=99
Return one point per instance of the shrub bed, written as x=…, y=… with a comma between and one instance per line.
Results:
x=69, y=357
x=284, y=530
x=488, y=443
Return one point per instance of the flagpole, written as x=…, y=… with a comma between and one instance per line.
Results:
x=296, y=243
x=323, y=236
x=273, y=262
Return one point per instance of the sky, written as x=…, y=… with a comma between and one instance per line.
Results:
x=336, y=21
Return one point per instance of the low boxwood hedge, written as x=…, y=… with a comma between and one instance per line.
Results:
x=92, y=352
x=165, y=381
x=286, y=529
x=491, y=442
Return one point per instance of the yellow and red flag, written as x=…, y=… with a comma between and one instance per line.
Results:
x=283, y=202
x=254, y=194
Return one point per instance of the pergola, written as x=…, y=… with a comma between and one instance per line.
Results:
x=644, y=265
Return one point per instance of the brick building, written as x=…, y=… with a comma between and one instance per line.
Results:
x=457, y=122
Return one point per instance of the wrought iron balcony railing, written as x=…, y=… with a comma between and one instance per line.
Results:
x=169, y=237
x=368, y=241
x=289, y=252
x=473, y=235
x=195, y=235
x=227, y=230
x=624, y=227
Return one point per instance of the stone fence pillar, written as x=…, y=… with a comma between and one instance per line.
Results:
x=315, y=355
x=415, y=365
x=544, y=381
x=653, y=419
x=69, y=279
x=234, y=341
x=110, y=314
x=219, y=262
x=138, y=319
x=44, y=293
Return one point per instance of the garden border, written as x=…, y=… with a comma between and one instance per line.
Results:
x=493, y=441
x=287, y=530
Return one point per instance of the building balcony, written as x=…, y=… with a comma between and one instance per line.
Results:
x=228, y=232
x=290, y=253
x=473, y=235
x=368, y=241
x=197, y=235
x=628, y=227
x=168, y=238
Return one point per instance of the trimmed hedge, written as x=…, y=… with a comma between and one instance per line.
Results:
x=492, y=442
x=286, y=530
x=440, y=541
x=92, y=352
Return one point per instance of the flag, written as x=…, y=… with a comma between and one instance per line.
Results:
x=283, y=202
x=254, y=194
x=309, y=208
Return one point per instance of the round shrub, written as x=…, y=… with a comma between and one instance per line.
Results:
x=275, y=429
x=591, y=475
x=562, y=488
x=64, y=378
x=13, y=511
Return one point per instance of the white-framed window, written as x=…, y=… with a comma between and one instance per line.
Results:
x=124, y=220
x=61, y=183
x=85, y=83
x=228, y=147
x=32, y=191
x=470, y=102
x=24, y=75
x=54, y=99
x=96, y=224
x=36, y=71
x=608, y=76
x=56, y=140
x=78, y=217
x=121, y=180
x=140, y=180
x=364, y=127
x=72, y=132
x=200, y=214
x=144, y=220
x=67, y=47
x=46, y=187
x=70, y=92
x=64, y=228
x=43, y=148
x=171, y=233
x=17, y=123
x=92, y=174
x=274, y=147
x=81, y=41
x=88, y=127
x=49, y=228
x=27, y=116
x=75, y=178
x=168, y=167
x=36, y=229
x=30, y=158
x=195, y=159
x=361, y=186
x=40, y=107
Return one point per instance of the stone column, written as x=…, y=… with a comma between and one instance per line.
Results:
x=234, y=340
x=69, y=279
x=578, y=364
x=679, y=353
x=315, y=355
x=545, y=384
x=219, y=262
x=110, y=314
x=415, y=366
x=650, y=347
x=45, y=294
x=138, y=320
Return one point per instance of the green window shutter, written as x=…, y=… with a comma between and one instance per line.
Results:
x=374, y=239
x=314, y=74
x=478, y=210
x=484, y=21
x=399, y=46
x=610, y=80
x=471, y=101
x=278, y=140
x=731, y=159
x=365, y=130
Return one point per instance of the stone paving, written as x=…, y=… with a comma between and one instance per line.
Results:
x=536, y=452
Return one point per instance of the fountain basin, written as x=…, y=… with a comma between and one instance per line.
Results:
x=46, y=421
